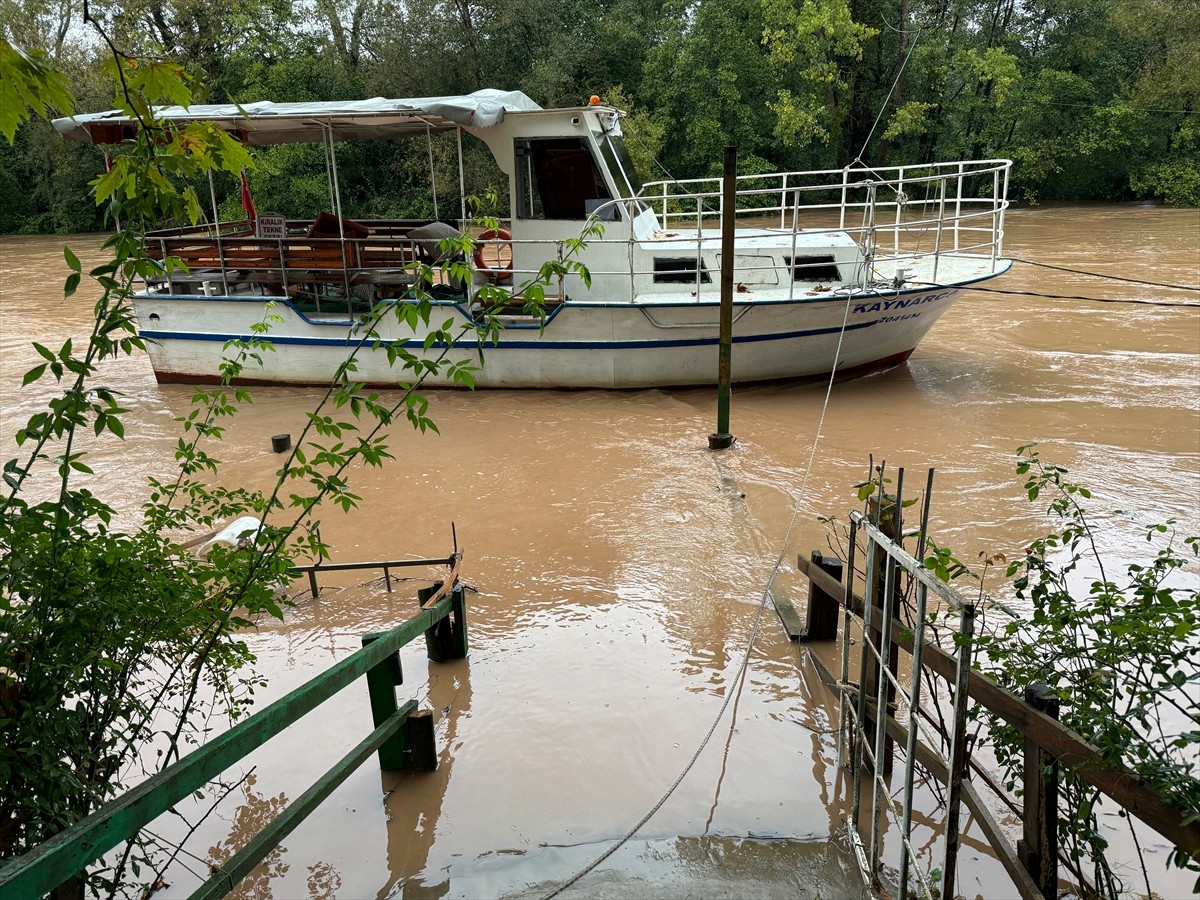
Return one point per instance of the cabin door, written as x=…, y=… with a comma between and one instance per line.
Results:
x=557, y=179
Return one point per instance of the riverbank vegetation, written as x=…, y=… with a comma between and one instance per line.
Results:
x=1104, y=639
x=1115, y=646
x=1093, y=99
x=120, y=649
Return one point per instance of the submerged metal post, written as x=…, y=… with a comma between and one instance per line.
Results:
x=958, y=750
x=885, y=659
x=843, y=696
x=723, y=438
x=910, y=754
x=914, y=700
x=866, y=676
x=882, y=753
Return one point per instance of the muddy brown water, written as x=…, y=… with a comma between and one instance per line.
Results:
x=618, y=568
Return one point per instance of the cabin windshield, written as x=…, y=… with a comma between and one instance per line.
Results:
x=629, y=183
x=557, y=178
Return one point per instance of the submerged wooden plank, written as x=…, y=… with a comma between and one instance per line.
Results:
x=793, y=625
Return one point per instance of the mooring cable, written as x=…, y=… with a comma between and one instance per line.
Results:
x=740, y=678
x=888, y=99
x=1041, y=265
x=1167, y=304
x=1179, y=304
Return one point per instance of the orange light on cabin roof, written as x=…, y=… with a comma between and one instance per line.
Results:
x=594, y=100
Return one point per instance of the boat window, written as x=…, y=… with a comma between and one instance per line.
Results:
x=813, y=268
x=679, y=270
x=556, y=179
x=616, y=156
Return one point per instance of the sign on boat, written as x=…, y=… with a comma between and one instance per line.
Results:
x=843, y=268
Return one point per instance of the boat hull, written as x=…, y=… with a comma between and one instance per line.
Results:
x=580, y=345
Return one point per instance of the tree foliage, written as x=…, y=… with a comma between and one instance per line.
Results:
x=118, y=647
x=108, y=638
x=1118, y=648
x=1093, y=99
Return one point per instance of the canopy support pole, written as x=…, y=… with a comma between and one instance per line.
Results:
x=337, y=210
x=462, y=181
x=328, y=167
x=432, y=173
x=337, y=188
x=212, y=196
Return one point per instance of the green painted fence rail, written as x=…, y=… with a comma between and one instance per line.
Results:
x=444, y=623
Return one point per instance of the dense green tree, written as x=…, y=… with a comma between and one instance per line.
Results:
x=1093, y=99
x=812, y=45
x=43, y=24
x=1166, y=91
x=711, y=79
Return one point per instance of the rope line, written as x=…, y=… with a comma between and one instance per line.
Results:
x=888, y=99
x=1041, y=265
x=1182, y=304
x=739, y=679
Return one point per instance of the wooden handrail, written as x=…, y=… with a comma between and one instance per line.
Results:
x=1069, y=748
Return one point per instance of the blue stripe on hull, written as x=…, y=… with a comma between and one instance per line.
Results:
x=545, y=344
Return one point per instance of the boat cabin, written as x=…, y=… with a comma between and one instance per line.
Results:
x=568, y=170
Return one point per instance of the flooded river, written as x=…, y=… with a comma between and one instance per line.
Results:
x=618, y=568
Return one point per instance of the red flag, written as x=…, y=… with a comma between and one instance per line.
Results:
x=248, y=202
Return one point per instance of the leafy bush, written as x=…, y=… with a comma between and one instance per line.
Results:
x=1121, y=651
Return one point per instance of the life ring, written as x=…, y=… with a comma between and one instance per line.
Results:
x=503, y=270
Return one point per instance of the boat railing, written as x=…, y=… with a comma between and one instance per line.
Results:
x=963, y=202
x=900, y=220
x=897, y=235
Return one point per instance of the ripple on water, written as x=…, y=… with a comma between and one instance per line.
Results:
x=618, y=567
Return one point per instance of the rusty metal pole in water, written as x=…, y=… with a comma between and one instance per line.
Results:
x=723, y=438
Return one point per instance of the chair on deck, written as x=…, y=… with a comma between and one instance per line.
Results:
x=428, y=241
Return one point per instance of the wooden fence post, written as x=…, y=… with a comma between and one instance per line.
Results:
x=381, y=685
x=1038, y=848
x=458, y=631
x=823, y=608
x=439, y=638
x=888, y=523
x=422, y=745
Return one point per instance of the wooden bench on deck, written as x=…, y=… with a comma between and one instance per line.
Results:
x=378, y=254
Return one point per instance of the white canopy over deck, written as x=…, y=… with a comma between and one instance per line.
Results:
x=265, y=122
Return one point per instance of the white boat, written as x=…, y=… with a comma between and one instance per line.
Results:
x=849, y=266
